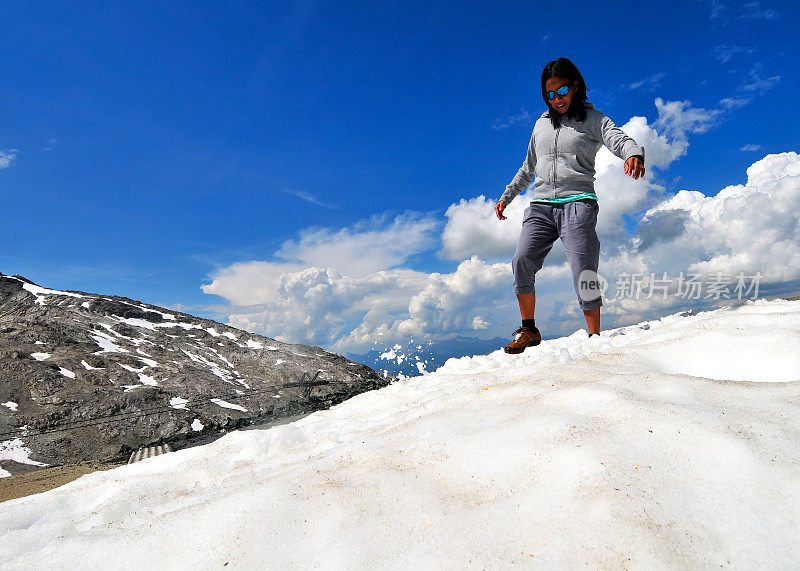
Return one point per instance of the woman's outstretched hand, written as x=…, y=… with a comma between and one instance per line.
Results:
x=498, y=209
x=634, y=166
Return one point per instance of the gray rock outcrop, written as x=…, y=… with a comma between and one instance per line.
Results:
x=86, y=376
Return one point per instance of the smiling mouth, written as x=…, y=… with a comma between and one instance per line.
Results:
x=560, y=106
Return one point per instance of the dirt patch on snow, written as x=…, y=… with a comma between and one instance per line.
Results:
x=22, y=485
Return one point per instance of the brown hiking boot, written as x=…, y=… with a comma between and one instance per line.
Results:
x=523, y=337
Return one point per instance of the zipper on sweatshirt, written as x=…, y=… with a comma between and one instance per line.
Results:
x=555, y=162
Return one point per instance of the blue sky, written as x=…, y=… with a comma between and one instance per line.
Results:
x=147, y=149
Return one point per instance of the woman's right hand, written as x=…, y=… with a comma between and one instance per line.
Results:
x=499, y=208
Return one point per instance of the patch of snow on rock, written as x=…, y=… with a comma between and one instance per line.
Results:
x=131, y=369
x=88, y=367
x=41, y=356
x=147, y=380
x=66, y=372
x=178, y=403
x=215, y=369
x=106, y=342
x=224, y=404
x=221, y=357
x=167, y=316
x=15, y=451
x=40, y=292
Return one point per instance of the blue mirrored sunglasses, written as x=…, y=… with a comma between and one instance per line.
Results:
x=562, y=91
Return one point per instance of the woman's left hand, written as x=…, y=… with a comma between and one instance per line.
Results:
x=634, y=166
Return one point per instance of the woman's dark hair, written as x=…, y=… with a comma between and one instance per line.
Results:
x=562, y=67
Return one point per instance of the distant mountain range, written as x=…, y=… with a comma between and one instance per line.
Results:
x=86, y=376
x=415, y=357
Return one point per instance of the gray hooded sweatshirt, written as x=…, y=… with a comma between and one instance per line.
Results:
x=562, y=159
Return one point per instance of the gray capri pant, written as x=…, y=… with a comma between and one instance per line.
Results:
x=573, y=222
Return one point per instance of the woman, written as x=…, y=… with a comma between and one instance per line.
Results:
x=561, y=155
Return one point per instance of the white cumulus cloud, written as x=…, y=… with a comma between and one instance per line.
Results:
x=473, y=229
x=321, y=306
x=746, y=235
x=744, y=228
x=457, y=302
x=375, y=244
x=364, y=248
x=249, y=283
x=679, y=118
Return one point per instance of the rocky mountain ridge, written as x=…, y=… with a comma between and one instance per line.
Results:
x=86, y=376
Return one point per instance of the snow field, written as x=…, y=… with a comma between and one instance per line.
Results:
x=579, y=452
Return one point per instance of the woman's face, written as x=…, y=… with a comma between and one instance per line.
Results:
x=560, y=103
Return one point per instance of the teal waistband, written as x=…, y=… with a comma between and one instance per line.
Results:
x=572, y=198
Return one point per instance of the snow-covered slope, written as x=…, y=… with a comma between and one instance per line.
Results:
x=675, y=443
